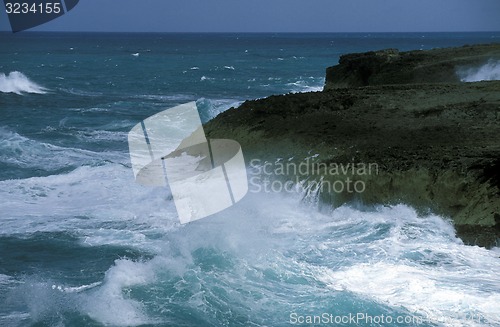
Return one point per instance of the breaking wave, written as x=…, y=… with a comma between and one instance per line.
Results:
x=18, y=83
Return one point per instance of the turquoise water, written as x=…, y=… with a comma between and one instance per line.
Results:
x=81, y=244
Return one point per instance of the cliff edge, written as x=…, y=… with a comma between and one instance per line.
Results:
x=413, y=67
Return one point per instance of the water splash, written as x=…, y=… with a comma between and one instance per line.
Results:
x=487, y=72
x=18, y=83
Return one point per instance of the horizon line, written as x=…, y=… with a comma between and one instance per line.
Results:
x=247, y=32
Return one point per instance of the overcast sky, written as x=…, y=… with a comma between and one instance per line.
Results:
x=276, y=16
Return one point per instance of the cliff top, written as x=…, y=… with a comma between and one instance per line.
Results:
x=413, y=67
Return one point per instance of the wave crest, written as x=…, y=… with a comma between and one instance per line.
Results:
x=18, y=83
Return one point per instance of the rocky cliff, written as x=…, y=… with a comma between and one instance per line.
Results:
x=393, y=67
x=436, y=143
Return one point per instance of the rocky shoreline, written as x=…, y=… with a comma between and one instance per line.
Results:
x=434, y=139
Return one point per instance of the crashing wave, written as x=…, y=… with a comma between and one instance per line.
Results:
x=18, y=83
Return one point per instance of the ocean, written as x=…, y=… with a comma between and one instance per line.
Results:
x=81, y=244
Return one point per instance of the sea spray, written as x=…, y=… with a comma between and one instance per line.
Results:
x=487, y=72
x=18, y=83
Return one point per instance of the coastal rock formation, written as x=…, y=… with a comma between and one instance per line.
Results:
x=436, y=146
x=394, y=67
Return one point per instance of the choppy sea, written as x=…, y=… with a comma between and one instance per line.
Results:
x=81, y=244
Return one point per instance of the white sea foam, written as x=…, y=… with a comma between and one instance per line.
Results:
x=106, y=304
x=14, y=318
x=4, y=279
x=389, y=255
x=307, y=85
x=487, y=72
x=434, y=293
x=109, y=305
x=82, y=92
x=18, y=83
x=101, y=135
x=24, y=152
x=205, y=78
x=265, y=244
x=420, y=267
x=210, y=108
x=77, y=289
x=57, y=203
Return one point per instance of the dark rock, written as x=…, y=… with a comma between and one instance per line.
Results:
x=393, y=67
